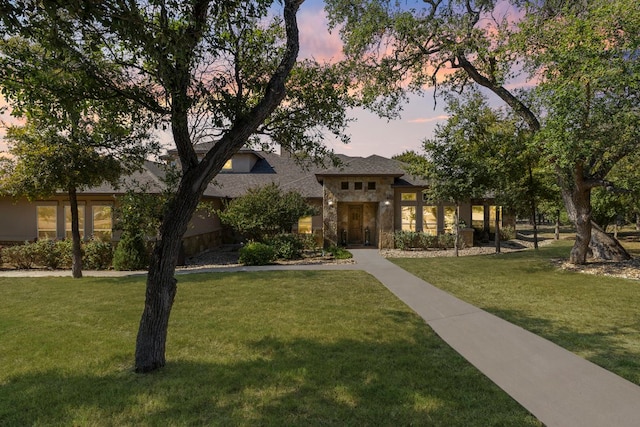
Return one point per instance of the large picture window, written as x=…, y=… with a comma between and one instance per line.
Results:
x=67, y=221
x=477, y=217
x=492, y=218
x=47, y=220
x=102, y=222
x=305, y=225
x=430, y=220
x=408, y=218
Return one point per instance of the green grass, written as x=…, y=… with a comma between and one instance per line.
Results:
x=592, y=316
x=278, y=348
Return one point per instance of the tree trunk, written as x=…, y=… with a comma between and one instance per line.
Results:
x=605, y=247
x=497, y=230
x=76, y=261
x=577, y=201
x=161, y=283
x=591, y=240
x=456, y=229
x=557, y=230
x=533, y=209
x=196, y=175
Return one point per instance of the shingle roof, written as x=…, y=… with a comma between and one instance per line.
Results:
x=290, y=175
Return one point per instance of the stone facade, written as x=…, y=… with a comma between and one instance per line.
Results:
x=358, y=210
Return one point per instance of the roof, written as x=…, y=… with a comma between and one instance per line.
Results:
x=284, y=170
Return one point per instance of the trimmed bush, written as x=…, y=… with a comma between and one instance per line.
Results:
x=286, y=246
x=407, y=240
x=256, y=253
x=131, y=253
x=98, y=255
x=339, y=253
x=20, y=256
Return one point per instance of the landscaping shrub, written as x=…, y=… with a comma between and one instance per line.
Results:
x=131, y=253
x=508, y=233
x=51, y=253
x=447, y=241
x=98, y=255
x=256, y=253
x=287, y=246
x=20, y=256
x=339, y=253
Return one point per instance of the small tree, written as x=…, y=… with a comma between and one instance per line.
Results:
x=264, y=212
x=75, y=136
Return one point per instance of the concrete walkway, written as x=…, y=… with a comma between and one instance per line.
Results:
x=556, y=386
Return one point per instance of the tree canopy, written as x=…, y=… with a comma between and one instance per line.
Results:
x=581, y=57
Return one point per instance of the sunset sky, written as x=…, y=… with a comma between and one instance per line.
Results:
x=369, y=134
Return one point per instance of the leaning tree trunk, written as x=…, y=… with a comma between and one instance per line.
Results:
x=591, y=240
x=577, y=201
x=76, y=252
x=605, y=247
x=161, y=283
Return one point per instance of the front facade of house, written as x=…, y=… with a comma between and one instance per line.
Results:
x=362, y=202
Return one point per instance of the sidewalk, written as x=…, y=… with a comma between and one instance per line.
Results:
x=556, y=386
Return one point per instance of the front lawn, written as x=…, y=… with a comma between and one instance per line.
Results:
x=593, y=316
x=277, y=348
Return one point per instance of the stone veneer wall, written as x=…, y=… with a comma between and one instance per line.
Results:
x=377, y=208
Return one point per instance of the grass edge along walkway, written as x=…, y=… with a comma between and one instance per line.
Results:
x=555, y=385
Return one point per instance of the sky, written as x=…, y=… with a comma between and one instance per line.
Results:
x=369, y=134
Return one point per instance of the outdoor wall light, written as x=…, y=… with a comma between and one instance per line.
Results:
x=387, y=203
x=330, y=202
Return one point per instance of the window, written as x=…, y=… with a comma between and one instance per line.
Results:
x=408, y=197
x=228, y=165
x=449, y=218
x=357, y=186
x=430, y=220
x=492, y=218
x=305, y=225
x=408, y=218
x=371, y=185
x=344, y=185
x=102, y=222
x=477, y=217
x=67, y=221
x=47, y=222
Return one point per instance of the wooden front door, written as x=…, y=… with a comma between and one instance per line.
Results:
x=355, y=225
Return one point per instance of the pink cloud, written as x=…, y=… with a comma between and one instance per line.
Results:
x=315, y=39
x=421, y=120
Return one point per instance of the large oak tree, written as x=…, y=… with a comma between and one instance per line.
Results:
x=584, y=54
x=223, y=73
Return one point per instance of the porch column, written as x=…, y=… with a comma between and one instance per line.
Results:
x=329, y=218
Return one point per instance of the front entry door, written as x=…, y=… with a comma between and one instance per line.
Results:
x=355, y=225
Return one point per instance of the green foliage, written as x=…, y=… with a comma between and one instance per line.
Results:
x=50, y=253
x=339, y=252
x=98, y=255
x=408, y=240
x=20, y=256
x=256, y=253
x=131, y=252
x=287, y=246
x=265, y=212
x=508, y=233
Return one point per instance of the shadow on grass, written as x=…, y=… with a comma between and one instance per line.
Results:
x=603, y=348
x=286, y=382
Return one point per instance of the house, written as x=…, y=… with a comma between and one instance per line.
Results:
x=362, y=202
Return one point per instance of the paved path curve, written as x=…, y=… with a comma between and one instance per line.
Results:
x=556, y=386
